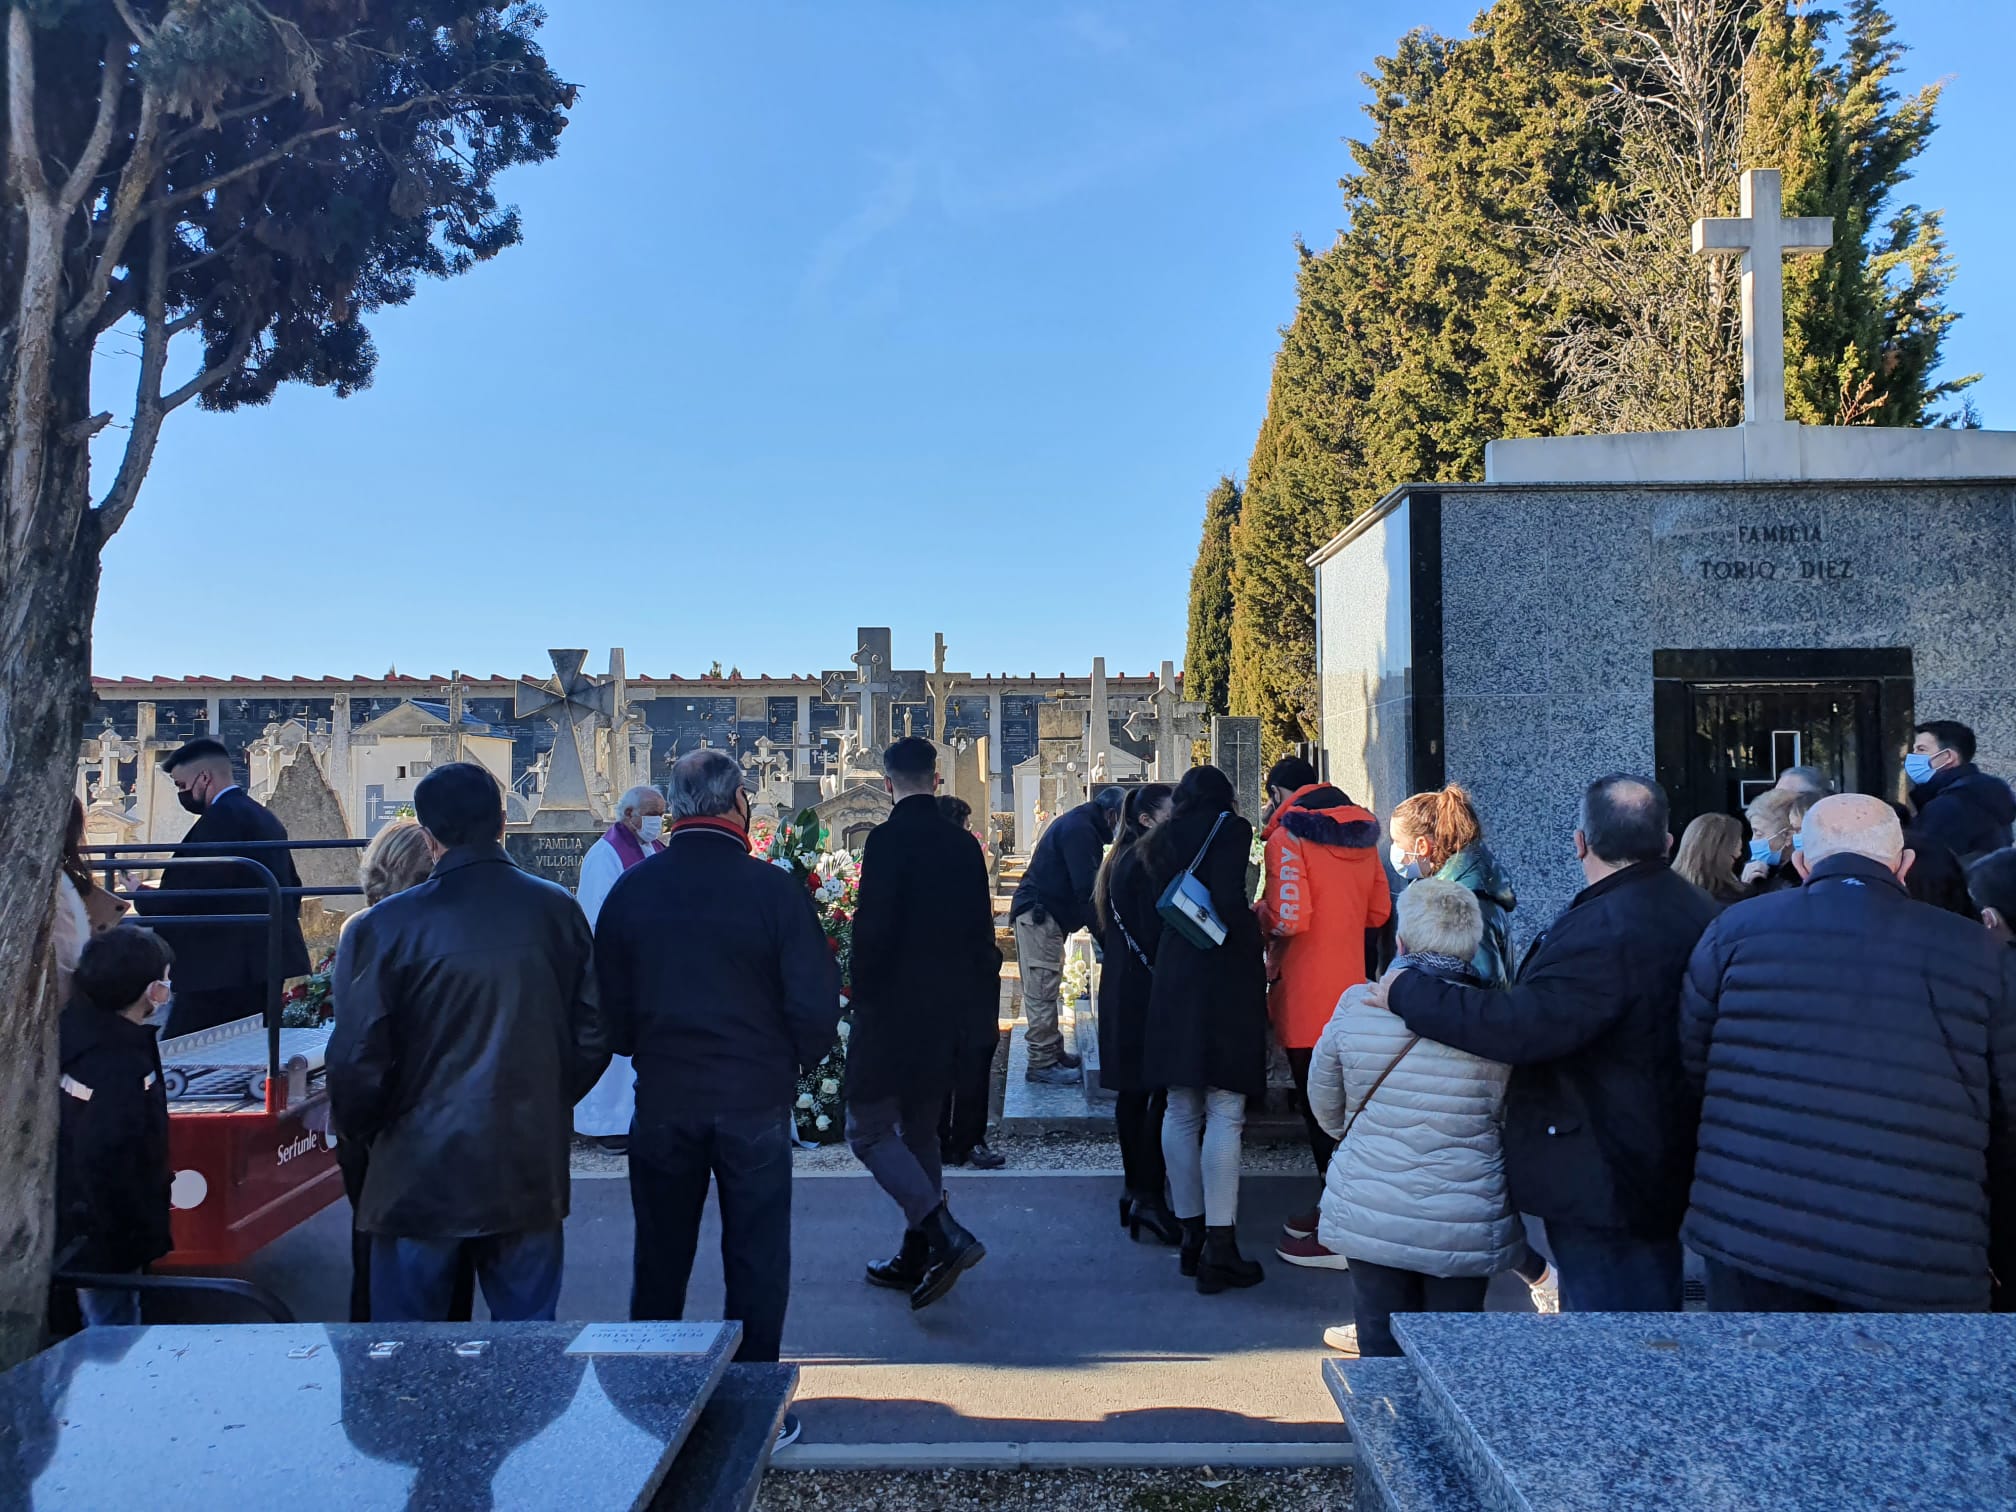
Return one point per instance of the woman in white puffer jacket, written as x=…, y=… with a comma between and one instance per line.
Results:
x=1415, y=1196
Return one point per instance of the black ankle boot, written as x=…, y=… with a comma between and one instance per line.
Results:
x=1152, y=1216
x=903, y=1270
x=953, y=1251
x=1193, y=1244
x=1221, y=1264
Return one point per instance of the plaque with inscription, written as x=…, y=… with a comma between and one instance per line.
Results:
x=553, y=857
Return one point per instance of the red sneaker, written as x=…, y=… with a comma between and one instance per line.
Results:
x=1302, y=1225
x=1309, y=1251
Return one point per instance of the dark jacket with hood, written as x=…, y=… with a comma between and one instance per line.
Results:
x=112, y=1170
x=1856, y=1052
x=1599, y=1125
x=1965, y=810
x=1059, y=881
x=1325, y=890
x=1476, y=868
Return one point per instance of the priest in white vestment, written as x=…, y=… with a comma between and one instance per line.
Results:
x=604, y=1114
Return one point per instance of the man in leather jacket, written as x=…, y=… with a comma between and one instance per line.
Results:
x=466, y=1030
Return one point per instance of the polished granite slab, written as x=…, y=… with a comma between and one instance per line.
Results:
x=341, y=1417
x=1403, y=1461
x=1720, y=1412
x=721, y=1468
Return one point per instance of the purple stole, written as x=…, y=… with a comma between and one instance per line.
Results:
x=627, y=845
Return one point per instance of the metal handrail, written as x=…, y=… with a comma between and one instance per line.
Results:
x=108, y=859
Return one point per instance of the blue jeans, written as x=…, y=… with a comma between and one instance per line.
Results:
x=748, y=1156
x=1607, y=1270
x=413, y=1280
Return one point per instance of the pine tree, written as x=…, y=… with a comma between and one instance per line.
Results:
x=1207, y=661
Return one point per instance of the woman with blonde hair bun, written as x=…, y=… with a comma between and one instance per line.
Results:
x=397, y=858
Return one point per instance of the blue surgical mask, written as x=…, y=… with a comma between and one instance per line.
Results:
x=1798, y=841
x=1408, y=866
x=1760, y=850
x=1918, y=767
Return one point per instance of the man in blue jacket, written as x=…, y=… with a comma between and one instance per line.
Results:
x=717, y=980
x=1958, y=805
x=1856, y=1056
x=1598, y=1123
x=1053, y=903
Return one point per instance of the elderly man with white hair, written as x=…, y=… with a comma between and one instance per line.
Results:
x=604, y=1114
x=1855, y=1052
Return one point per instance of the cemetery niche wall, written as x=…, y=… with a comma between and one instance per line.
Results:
x=1707, y=607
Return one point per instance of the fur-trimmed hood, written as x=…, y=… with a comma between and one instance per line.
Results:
x=1324, y=815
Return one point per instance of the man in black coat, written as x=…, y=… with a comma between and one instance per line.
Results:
x=466, y=1030
x=1959, y=806
x=220, y=971
x=716, y=978
x=1856, y=1052
x=923, y=948
x=1599, y=1131
x=1053, y=902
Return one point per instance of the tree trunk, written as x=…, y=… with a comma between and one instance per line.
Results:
x=50, y=591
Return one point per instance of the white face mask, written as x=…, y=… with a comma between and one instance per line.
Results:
x=651, y=826
x=1407, y=865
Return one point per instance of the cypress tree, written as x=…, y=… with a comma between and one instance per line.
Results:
x=1207, y=661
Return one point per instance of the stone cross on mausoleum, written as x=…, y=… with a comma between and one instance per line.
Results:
x=1174, y=725
x=1764, y=235
x=571, y=703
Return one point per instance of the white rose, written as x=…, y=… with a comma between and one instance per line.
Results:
x=829, y=1087
x=805, y=1100
x=822, y=1123
x=845, y=1028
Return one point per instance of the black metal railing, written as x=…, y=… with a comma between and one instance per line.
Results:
x=112, y=859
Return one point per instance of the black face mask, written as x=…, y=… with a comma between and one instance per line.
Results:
x=190, y=801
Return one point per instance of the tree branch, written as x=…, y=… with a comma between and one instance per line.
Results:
x=110, y=84
x=216, y=373
x=147, y=407
x=124, y=215
x=24, y=152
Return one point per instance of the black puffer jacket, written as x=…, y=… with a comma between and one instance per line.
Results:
x=1965, y=810
x=112, y=1176
x=466, y=1030
x=1598, y=1124
x=1857, y=1051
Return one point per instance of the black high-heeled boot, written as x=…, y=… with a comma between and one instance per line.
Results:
x=1221, y=1265
x=1126, y=1209
x=1192, y=1252
x=1152, y=1216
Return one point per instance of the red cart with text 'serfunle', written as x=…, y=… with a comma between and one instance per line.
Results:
x=248, y=1113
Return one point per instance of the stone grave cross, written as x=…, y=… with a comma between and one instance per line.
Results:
x=1764, y=235
x=456, y=692
x=570, y=703
x=874, y=693
x=1174, y=725
x=938, y=688
x=106, y=751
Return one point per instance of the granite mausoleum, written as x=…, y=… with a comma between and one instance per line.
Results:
x=1710, y=607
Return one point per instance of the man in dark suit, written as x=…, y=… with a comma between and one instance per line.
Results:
x=923, y=947
x=220, y=969
x=717, y=980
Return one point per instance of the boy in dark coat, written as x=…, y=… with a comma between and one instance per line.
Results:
x=923, y=949
x=112, y=1171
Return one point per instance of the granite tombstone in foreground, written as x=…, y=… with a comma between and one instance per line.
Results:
x=1706, y=1412
x=1710, y=607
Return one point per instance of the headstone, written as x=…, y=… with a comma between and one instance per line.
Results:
x=850, y=814
x=969, y=774
x=1098, y=728
x=303, y=801
x=554, y=855
x=1235, y=751
x=569, y=704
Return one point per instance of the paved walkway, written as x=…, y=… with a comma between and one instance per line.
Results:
x=1067, y=1332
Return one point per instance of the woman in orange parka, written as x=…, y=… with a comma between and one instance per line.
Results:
x=1325, y=889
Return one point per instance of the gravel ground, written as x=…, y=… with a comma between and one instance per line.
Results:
x=1055, y=1491
x=1025, y=1152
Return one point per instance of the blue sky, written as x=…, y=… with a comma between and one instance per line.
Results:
x=940, y=317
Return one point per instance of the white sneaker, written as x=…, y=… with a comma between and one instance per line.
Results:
x=1343, y=1337
x=1546, y=1292
x=787, y=1432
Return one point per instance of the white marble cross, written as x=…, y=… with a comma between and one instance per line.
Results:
x=1764, y=235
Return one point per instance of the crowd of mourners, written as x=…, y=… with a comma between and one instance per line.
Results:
x=1792, y=1051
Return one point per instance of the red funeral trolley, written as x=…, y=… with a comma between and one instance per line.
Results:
x=248, y=1113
